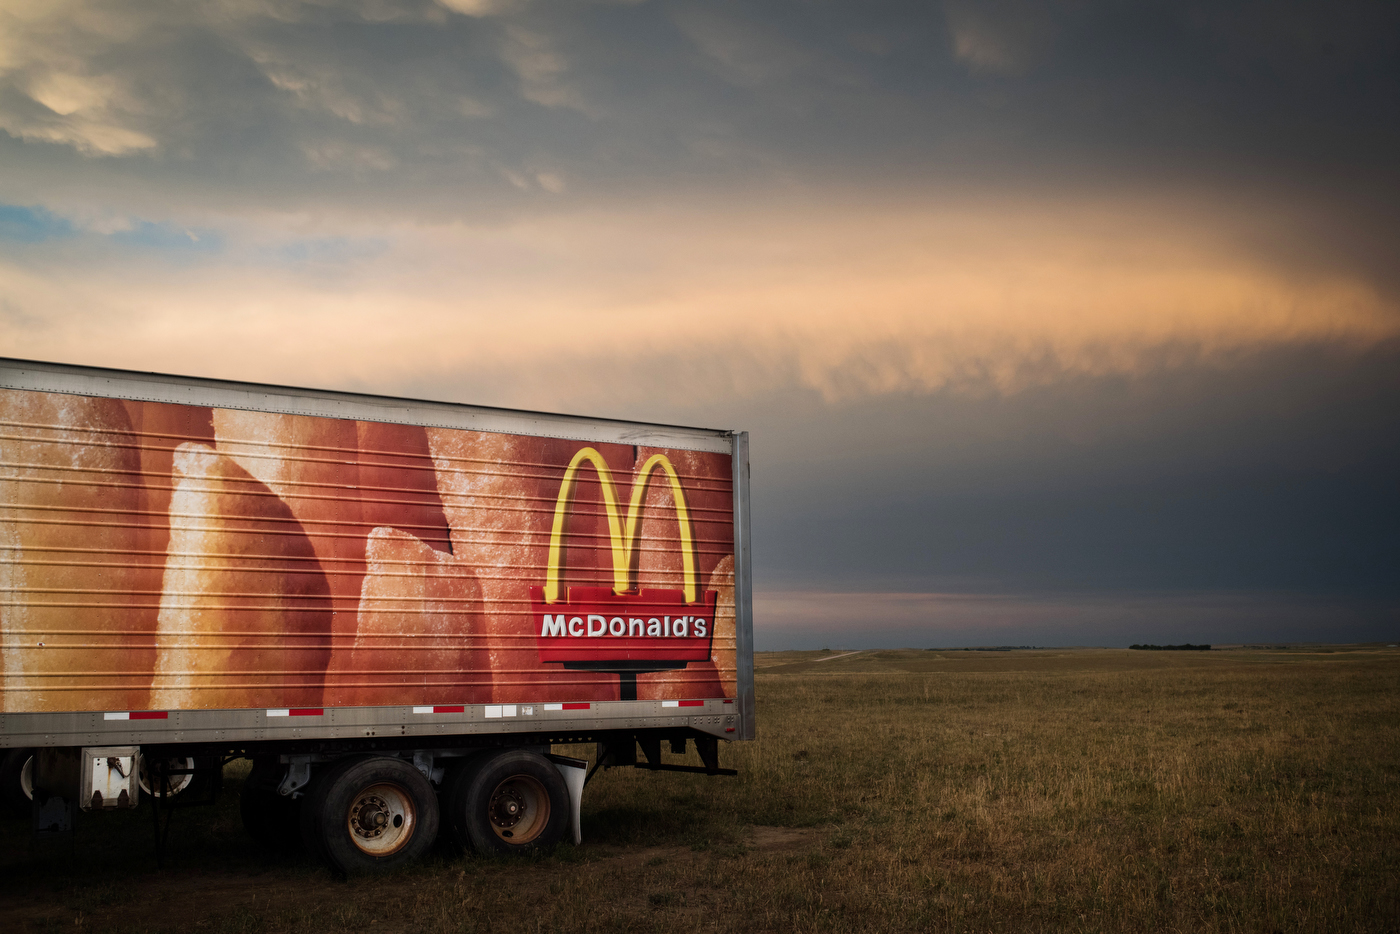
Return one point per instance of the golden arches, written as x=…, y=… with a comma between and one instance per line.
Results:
x=623, y=537
x=622, y=577
x=634, y=515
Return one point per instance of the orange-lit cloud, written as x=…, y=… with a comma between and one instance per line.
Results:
x=849, y=301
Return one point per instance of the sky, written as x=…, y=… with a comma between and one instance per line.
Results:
x=1062, y=323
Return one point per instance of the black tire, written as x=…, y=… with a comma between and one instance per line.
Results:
x=271, y=819
x=456, y=773
x=376, y=814
x=314, y=801
x=193, y=787
x=15, y=799
x=509, y=803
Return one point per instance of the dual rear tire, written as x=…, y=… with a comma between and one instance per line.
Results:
x=512, y=802
x=369, y=814
x=366, y=814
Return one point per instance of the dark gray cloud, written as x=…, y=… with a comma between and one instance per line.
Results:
x=1274, y=475
x=411, y=106
x=811, y=620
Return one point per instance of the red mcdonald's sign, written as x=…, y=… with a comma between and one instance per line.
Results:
x=622, y=628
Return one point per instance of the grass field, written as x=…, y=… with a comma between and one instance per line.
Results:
x=1055, y=790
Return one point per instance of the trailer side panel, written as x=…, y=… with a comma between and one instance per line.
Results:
x=177, y=570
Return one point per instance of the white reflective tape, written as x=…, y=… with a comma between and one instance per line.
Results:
x=508, y=710
x=422, y=710
x=120, y=715
x=553, y=706
x=493, y=713
x=280, y=712
x=670, y=703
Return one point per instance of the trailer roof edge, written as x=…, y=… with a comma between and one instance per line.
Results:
x=42, y=376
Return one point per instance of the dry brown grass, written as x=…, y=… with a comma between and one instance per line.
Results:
x=1091, y=790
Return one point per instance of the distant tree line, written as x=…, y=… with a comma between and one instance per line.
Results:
x=1188, y=647
x=985, y=648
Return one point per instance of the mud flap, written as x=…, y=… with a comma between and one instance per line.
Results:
x=574, y=773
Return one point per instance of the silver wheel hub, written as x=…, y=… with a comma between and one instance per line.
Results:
x=507, y=808
x=370, y=816
x=381, y=819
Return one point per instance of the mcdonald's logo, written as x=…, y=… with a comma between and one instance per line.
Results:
x=622, y=626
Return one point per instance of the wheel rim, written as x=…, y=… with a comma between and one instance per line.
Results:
x=519, y=809
x=178, y=783
x=381, y=819
x=26, y=778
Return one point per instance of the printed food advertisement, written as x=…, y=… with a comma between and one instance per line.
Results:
x=156, y=556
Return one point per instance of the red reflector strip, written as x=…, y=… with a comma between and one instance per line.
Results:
x=150, y=715
x=450, y=708
x=577, y=706
x=692, y=703
x=306, y=712
x=729, y=729
x=728, y=701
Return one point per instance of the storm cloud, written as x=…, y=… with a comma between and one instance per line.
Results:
x=1084, y=315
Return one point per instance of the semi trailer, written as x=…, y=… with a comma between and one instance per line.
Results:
x=396, y=609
